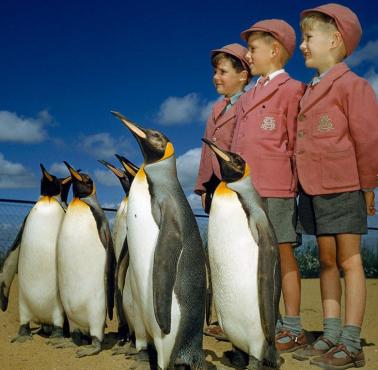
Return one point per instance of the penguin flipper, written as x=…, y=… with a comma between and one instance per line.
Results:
x=120, y=276
x=209, y=290
x=167, y=252
x=8, y=268
x=269, y=278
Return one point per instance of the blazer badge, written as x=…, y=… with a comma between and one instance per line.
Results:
x=269, y=124
x=325, y=124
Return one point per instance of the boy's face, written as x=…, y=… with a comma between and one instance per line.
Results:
x=259, y=55
x=227, y=80
x=315, y=47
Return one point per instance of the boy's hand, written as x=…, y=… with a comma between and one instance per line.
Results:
x=370, y=202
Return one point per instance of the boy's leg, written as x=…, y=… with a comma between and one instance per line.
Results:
x=348, y=351
x=290, y=336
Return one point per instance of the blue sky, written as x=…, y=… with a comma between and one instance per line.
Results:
x=66, y=64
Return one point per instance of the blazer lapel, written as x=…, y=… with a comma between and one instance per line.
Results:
x=226, y=117
x=314, y=93
x=264, y=93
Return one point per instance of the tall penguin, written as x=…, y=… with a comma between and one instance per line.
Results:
x=244, y=261
x=8, y=268
x=36, y=244
x=86, y=264
x=125, y=177
x=167, y=262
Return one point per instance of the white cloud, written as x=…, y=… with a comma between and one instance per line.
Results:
x=15, y=175
x=14, y=128
x=103, y=145
x=107, y=178
x=59, y=169
x=369, y=53
x=372, y=77
x=187, y=168
x=183, y=110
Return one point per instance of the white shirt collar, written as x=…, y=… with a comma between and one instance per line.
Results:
x=272, y=75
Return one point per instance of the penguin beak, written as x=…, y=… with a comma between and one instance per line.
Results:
x=73, y=172
x=219, y=152
x=45, y=173
x=133, y=127
x=127, y=165
x=115, y=170
x=66, y=180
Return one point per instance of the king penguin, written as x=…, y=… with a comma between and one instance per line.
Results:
x=125, y=177
x=86, y=264
x=167, y=261
x=33, y=255
x=8, y=268
x=244, y=263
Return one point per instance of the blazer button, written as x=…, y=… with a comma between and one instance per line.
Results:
x=300, y=134
x=300, y=152
x=301, y=117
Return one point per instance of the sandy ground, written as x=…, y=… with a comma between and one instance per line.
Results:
x=36, y=354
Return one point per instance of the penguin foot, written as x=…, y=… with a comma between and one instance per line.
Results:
x=124, y=349
x=91, y=349
x=60, y=342
x=24, y=334
x=141, y=356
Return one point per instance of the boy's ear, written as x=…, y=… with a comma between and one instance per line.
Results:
x=337, y=39
x=244, y=76
x=276, y=48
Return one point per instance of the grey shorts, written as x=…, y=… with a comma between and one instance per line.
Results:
x=282, y=213
x=342, y=213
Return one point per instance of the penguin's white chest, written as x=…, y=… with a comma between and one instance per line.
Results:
x=233, y=257
x=142, y=236
x=81, y=265
x=119, y=229
x=37, y=260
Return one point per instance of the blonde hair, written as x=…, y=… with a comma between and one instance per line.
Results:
x=269, y=39
x=326, y=24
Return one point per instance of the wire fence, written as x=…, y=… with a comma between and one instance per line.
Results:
x=13, y=212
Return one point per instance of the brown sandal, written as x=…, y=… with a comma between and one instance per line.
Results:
x=309, y=351
x=216, y=332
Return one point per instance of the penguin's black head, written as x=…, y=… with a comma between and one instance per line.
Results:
x=82, y=184
x=155, y=146
x=50, y=185
x=232, y=166
x=121, y=175
x=130, y=168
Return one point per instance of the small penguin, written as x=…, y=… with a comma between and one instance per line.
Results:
x=244, y=262
x=167, y=261
x=34, y=254
x=119, y=239
x=8, y=269
x=86, y=264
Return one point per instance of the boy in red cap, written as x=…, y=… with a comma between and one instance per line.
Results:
x=231, y=75
x=264, y=136
x=336, y=158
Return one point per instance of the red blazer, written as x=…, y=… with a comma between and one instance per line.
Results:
x=337, y=140
x=265, y=134
x=219, y=129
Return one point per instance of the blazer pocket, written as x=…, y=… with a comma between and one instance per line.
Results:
x=274, y=172
x=268, y=124
x=339, y=169
x=325, y=124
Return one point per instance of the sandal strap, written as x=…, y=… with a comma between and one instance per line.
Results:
x=342, y=348
x=285, y=333
x=326, y=341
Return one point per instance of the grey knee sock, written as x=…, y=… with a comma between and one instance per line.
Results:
x=332, y=331
x=292, y=324
x=350, y=336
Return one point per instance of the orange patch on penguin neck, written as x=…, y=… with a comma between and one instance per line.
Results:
x=223, y=190
x=169, y=151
